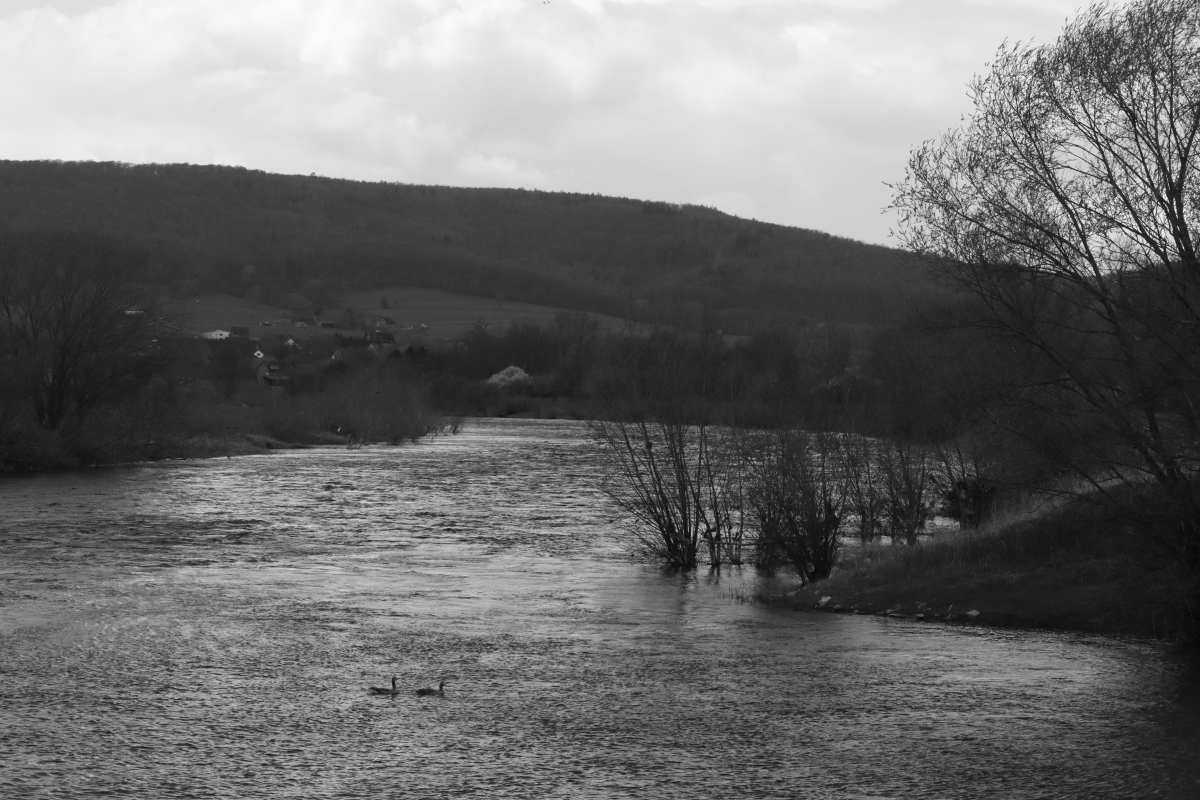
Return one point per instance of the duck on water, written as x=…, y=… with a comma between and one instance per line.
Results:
x=381, y=690
x=423, y=691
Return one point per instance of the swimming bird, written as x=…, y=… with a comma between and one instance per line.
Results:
x=379, y=690
x=429, y=690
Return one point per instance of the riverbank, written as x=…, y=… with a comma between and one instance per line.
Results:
x=256, y=420
x=244, y=444
x=200, y=447
x=1069, y=569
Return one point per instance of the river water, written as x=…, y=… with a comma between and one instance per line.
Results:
x=207, y=629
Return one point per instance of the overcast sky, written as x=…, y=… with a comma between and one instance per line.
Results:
x=794, y=111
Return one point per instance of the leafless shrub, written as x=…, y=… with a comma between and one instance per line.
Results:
x=907, y=479
x=864, y=479
x=966, y=480
x=796, y=501
x=677, y=484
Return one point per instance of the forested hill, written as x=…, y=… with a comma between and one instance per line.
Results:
x=286, y=237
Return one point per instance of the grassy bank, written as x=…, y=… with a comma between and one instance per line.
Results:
x=1069, y=569
x=204, y=423
x=243, y=444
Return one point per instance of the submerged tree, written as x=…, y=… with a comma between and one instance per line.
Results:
x=862, y=474
x=677, y=487
x=670, y=470
x=796, y=499
x=1067, y=205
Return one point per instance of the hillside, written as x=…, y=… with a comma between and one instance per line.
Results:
x=290, y=241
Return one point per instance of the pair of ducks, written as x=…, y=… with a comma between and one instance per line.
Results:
x=440, y=691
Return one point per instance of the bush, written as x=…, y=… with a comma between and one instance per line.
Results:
x=674, y=482
x=864, y=479
x=909, y=486
x=796, y=503
x=510, y=377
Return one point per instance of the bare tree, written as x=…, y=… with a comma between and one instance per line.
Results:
x=1067, y=205
x=858, y=461
x=673, y=483
x=75, y=331
x=674, y=474
x=967, y=480
x=725, y=490
x=906, y=472
x=797, y=501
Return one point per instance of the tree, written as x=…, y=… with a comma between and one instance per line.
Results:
x=75, y=332
x=677, y=485
x=1066, y=204
x=669, y=470
x=797, y=502
x=907, y=488
x=860, y=463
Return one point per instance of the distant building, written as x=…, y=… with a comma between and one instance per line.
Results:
x=381, y=337
x=281, y=340
x=271, y=373
x=216, y=335
x=381, y=321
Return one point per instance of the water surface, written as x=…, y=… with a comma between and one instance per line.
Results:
x=207, y=629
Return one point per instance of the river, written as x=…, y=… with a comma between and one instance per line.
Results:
x=208, y=629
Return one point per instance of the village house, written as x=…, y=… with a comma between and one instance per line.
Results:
x=271, y=373
x=280, y=340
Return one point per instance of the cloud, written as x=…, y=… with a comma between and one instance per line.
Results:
x=794, y=111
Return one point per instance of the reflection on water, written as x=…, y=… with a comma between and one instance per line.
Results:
x=207, y=630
